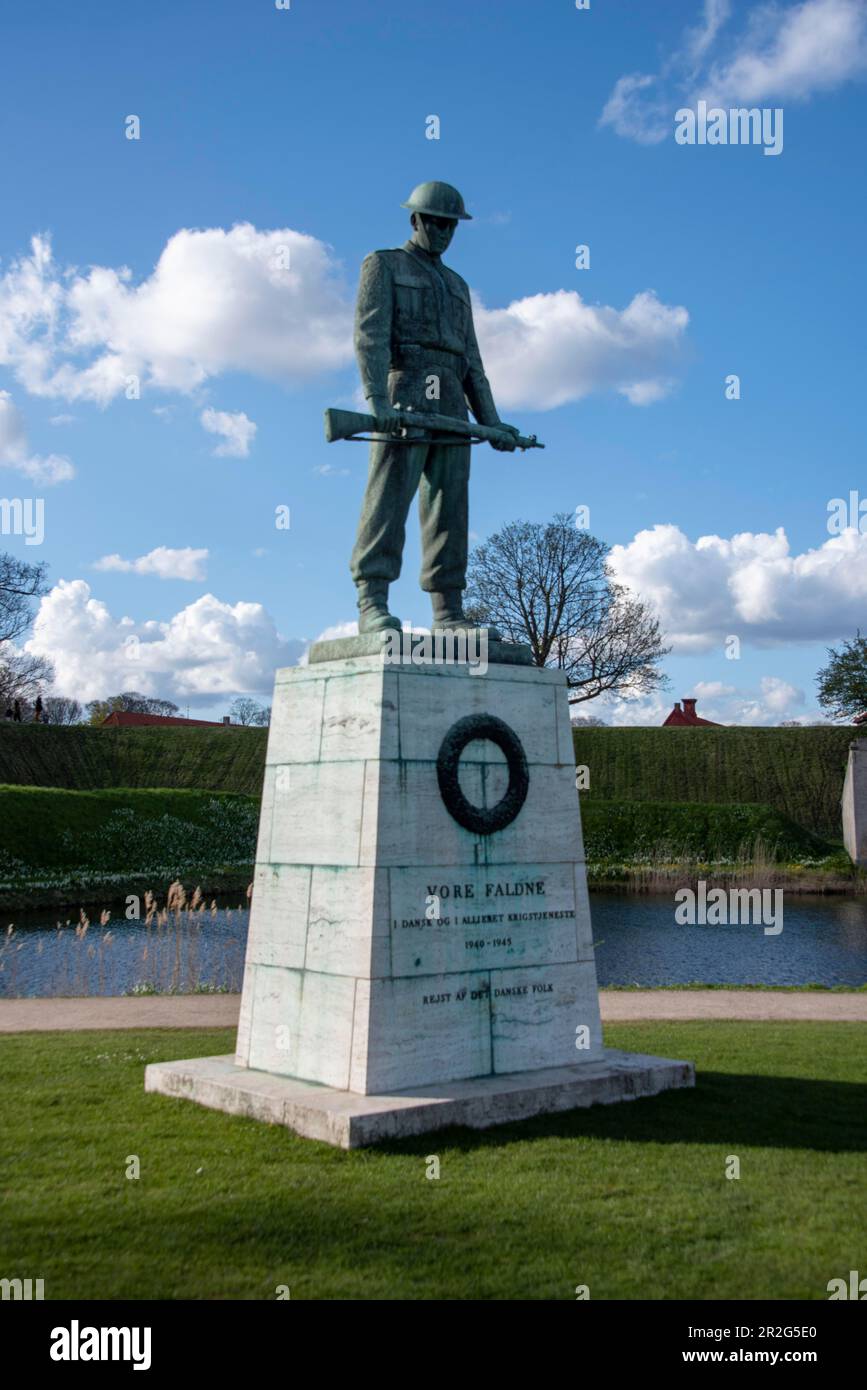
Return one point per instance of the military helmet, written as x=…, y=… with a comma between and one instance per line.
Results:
x=437, y=200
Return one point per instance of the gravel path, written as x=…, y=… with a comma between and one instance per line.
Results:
x=157, y=1011
x=619, y=1006
x=221, y=1010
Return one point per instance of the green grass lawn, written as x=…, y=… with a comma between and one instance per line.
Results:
x=630, y=1199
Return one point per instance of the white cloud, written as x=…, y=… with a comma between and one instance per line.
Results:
x=790, y=54
x=347, y=629
x=162, y=562
x=31, y=299
x=209, y=648
x=45, y=470
x=61, y=420
x=783, y=54
x=772, y=701
x=548, y=349
x=749, y=585
x=330, y=634
x=780, y=696
x=638, y=110
x=712, y=690
x=221, y=301
x=217, y=301
x=328, y=470
x=699, y=40
x=13, y=436
x=237, y=431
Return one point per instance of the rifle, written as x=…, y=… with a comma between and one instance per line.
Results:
x=349, y=424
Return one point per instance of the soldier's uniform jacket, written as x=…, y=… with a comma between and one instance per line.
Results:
x=414, y=321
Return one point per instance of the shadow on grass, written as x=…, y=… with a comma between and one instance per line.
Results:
x=778, y=1112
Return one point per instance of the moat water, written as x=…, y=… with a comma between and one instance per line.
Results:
x=637, y=942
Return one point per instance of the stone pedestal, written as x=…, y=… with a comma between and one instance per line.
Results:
x=420, y=940
x=855, y=803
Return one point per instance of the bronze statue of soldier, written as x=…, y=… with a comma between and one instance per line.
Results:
x=416, y=348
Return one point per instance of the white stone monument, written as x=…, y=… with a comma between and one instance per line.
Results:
x=420, y=950
x=855, y=803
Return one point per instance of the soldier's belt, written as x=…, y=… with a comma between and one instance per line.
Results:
x=412, y=356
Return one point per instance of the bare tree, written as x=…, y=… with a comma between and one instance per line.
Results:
x=245, y=711
x=59, y=710
x=22, y=676
x=550, y=586
x=20, y=583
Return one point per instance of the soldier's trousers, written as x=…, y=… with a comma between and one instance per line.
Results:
x=441, y=474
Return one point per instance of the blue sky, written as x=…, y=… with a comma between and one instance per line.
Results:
x=308, y=126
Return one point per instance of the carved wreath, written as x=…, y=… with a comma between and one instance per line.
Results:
x=481, y=820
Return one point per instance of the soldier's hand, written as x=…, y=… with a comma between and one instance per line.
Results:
x=506, y=445
x=385, y=414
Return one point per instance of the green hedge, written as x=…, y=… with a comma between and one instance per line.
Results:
x=86, y=758
x=630, y=830
x=798, y=772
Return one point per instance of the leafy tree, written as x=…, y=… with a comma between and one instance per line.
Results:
x=550, y=586
x=97, y=711
x=843, y=682
x=129, y=702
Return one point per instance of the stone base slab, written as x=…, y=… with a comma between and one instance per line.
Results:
x=349, y=1120
x=373, y=644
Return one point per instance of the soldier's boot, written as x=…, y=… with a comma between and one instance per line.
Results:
x=448, y=612
x=373, y=614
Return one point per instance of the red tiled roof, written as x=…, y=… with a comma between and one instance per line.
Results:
x=126, y=719
x=687, y=718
